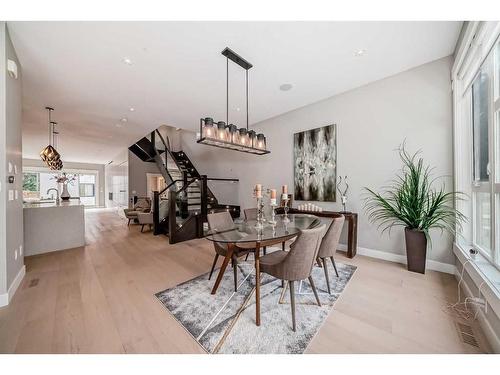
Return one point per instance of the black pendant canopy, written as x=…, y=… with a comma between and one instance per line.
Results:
x=225, y=135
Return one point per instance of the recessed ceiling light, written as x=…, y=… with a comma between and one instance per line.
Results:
x=359, y=52
x=127, y=61
x=124, y=119
x=286, y=87
x=131, y=109
x=238, y=109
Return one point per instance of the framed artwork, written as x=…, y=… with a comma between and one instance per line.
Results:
x=315, y=168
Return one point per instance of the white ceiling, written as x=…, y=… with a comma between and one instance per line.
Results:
x=178, y=74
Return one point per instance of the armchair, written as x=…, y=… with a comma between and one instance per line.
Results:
x=143, y=204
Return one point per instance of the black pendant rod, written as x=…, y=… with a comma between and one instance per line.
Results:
x=247, y=94
x=50, y=126
x=49, y=110
x=227, y=90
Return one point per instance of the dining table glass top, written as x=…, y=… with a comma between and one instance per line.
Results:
x=247, y=231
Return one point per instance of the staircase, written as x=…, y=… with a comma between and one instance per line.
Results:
x=183, y=216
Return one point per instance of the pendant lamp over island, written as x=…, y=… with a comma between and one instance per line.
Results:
x=224, y=135
x=49, y=154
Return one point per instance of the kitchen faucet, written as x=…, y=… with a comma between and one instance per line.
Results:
x=57, y=191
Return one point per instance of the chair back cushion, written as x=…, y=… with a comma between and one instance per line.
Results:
x=300, y=259
x=142, y=204
x=250, y=213
x=220, y=221
x=330, y=240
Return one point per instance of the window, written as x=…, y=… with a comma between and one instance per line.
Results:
x=37, y=181
x=479, y=111
x=31, y=186
x=87, y=190
x=481, y=164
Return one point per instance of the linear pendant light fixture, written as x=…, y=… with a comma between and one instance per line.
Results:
x=49, y=154
x=225, y=135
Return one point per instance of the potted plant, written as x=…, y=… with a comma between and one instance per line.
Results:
x=412, y=201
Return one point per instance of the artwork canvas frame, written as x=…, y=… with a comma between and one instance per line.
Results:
x=315, y=164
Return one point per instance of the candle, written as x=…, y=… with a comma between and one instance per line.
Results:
x=273, y=197
x=258, y=191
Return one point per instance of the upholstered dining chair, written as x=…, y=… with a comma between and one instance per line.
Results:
x=296, y=264
x=222, y=221
x=329, y=245
x=250, y=213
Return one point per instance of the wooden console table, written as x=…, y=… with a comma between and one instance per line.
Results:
x=352, y=225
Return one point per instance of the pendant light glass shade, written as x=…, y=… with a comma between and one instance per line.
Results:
x=208, y=130
x=261, y=142
x=49, y=154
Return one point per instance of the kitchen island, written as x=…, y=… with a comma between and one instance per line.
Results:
x=49, y=226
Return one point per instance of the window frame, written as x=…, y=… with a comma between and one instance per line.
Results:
x=37, y=169
x=478, y=50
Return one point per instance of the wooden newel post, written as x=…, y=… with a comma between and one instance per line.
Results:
x=172, y=222
x=156, y=212
x=204, y=197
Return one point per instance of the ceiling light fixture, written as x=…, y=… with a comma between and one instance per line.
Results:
x=132, y=109
x=55, y=165
x=49, y=154
x=124, y=119
x=359, y=52
x=286, y=87
x=127, y=61
x=224, y=135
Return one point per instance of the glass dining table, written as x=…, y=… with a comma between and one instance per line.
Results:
x=246, y=235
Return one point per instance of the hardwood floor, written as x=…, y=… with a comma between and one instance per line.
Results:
x=99, y=299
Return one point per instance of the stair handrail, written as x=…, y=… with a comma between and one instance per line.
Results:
x=167, y=149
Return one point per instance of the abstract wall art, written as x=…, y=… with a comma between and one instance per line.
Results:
x=315, y=168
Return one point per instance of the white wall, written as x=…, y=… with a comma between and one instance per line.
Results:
x=11, y=211
x=371, y=121
x=117, y=180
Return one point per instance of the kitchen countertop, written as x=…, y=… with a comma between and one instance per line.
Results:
x=52, y=204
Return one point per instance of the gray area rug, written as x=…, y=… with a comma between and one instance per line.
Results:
x=225, y=322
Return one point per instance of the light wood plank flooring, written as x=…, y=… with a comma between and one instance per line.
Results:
x=99, y=299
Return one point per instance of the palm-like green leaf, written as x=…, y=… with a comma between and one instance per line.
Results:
x=411, y=200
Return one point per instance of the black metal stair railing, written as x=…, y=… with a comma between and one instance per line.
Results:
x=189, y=199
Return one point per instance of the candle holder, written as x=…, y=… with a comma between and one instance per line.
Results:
x=260, y=213
x=273, y=214
x=285, y=209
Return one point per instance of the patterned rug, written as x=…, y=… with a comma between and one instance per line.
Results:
x=225, y=322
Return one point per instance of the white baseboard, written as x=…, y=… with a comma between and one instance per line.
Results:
x=488, y=331
x=398, y=258
x=7, y=297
